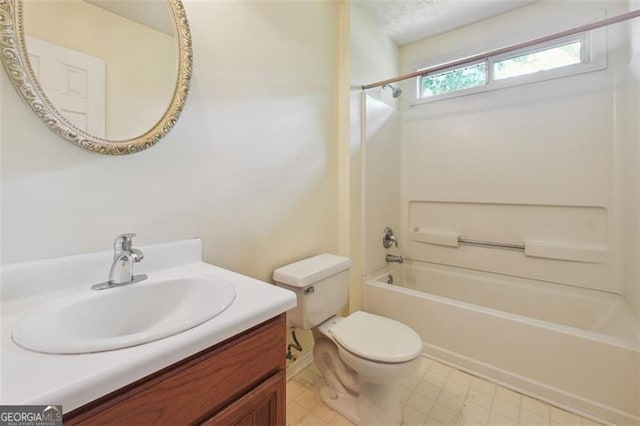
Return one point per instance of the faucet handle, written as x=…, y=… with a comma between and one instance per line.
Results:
x=388, y=239
x=123, y=242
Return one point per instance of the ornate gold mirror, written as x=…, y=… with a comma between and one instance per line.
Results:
x=111, y=76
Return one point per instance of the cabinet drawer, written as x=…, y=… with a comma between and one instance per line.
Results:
x=193, y=389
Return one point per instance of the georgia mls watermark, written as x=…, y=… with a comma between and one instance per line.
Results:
x=30, y=415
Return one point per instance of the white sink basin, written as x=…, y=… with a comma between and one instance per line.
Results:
x=94, y=321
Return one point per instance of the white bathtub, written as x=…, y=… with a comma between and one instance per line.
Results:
x=576, y=348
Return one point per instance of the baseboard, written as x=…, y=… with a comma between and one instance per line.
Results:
x=549, y=394
x=299, y=364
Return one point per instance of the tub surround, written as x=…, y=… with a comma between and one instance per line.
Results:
x=548, y=342
x=550, y=166
x=74, y=380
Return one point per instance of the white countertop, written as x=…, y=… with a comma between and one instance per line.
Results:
x=73, y=380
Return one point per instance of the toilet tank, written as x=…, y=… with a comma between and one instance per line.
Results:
x=321, y=285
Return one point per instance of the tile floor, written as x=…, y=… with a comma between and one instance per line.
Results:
x=436, y=395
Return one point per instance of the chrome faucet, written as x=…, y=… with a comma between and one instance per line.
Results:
x=124, y=257
x=394, y=258
x=388, y=239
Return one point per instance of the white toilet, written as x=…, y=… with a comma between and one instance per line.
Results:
x=361, y=356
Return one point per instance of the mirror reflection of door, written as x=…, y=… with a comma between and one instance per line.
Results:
x=73, y=81
x=136, y=40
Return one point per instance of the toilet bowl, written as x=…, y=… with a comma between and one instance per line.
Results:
x=361, y=356
x=377, y=352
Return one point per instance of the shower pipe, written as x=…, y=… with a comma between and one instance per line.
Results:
x=499, y=51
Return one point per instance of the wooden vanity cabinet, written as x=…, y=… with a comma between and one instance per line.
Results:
x=240, y=381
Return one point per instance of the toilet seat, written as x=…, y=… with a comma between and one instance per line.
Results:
x=377, y=338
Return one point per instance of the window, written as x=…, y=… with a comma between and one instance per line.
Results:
x=558, y=58
x=455, y=79
x=542, y=60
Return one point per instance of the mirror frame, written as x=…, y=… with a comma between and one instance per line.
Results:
x=16, y=63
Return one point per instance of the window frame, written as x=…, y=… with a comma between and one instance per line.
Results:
x=593, y=58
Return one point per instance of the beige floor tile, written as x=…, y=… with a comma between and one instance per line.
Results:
x=312, y=419
x=504, y=409
x=498, y=420
x=461, y=377
x=420, y=402
x=307, y=379
x=475, y=412
x=410, y=383
x=460, y=399
x=455, y=388
x=428, y=389
x=424, y=365
x=508, y=395
x=434, y=379
x=421, y=372
x=341, y=421
x=309, y=398
x=478, y=397
x=325, y=413
x=439, y=369
x=529, y=418
x=404, y=394
x=411, y=416
x=444, y=414
x=533, y=405
x=564, y=417
x=588, y=422
x=433, y=422
x=294, y=389
x=450, y=400
x=464, y=420
x=295, y=412
x=483, y=386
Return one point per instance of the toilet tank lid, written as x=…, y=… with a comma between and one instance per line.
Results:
x=311, y=270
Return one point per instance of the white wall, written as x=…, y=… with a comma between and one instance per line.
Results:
x=535, y=148
x=374, y=57
x=249, y=167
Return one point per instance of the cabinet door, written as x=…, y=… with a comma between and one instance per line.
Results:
x=193, y=389
x=263, y=406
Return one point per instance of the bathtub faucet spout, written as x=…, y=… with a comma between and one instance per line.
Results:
x=394, y=258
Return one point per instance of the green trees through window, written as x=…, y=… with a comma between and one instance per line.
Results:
x=477, y=74
x=455, y=79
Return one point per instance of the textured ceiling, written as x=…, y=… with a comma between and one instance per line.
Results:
x=406, y=21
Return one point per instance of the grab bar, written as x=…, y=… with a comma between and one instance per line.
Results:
x=587, y=253
x=453, y=239
x=490, y=244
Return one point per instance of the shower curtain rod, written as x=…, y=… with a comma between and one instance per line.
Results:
x=499, y=51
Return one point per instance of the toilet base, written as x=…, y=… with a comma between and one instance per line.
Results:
x=343, y=404
x=379, y=405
